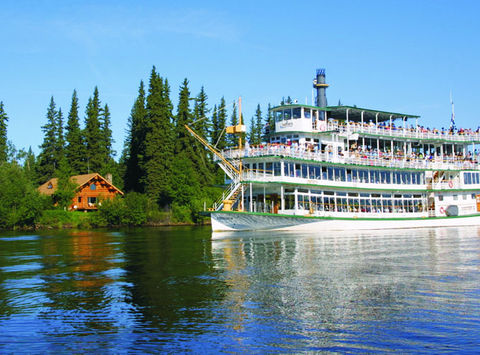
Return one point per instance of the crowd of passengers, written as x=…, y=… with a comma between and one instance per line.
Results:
x=443, y=131
x=361, y=152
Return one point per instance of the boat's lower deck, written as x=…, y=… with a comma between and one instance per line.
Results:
x=243, y=221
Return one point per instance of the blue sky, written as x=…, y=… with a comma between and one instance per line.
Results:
x=401, y=56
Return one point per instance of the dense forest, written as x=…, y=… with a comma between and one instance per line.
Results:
x=167, y=175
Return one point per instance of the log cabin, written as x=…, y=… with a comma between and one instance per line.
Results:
x=91, y=190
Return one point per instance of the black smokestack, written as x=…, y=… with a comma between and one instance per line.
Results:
x=319, y=84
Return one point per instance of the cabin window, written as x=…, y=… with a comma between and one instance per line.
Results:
x=307, y=113
x=287, y=114
x=440, y=198
x=79, y=199
x=93, y=187
x=473, y=196
x=92, y=200
x=297, y=112
x=455, y=197
x=314, y=114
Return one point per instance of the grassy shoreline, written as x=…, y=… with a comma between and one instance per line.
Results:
x=60, y=219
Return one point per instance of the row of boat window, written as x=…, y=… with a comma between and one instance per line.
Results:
x=355, y=202
x=316, y=172
x=471, y=178
x=295, y=113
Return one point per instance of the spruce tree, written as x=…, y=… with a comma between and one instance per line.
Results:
x=60, y=141
x=3, y=134
x=269, y=124
x=214, y=131
x=75, y=151
x=258, y=125
x=219, y=137
x=252, y=133
x=47, y=159
x=94, y=138
x=108, y=141
x=29, y=166
x=232, y=138
x=159, y=142
x=201, y=157
x=135, y=144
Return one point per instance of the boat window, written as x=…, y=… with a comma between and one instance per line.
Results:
x=473, y=196
x=269, y=168
x=455, y=197
x=287, y=114
x=277, y=169
x=297, y=112
x=353, y=194
x=339, y=174
x=330, y=173
x=278, y=116
x=341, y=193
x=307, y=113
x=305, y=171
x=314, y=114
x=330, y=193
x=386, y=195
x=289, y=190
x=440, y=198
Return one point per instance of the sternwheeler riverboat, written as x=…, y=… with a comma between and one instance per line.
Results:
x=349, y=168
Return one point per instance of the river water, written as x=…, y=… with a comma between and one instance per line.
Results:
x=175, y=290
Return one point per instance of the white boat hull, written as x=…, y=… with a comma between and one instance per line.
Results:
x=246, y=221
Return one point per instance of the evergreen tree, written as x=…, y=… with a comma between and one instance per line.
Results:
x=107, y=133
x=47, y=159
x=201, y=157
x=75, y=151
x=269, y=124
x=258, y=125
x=252, y=133
x=29, y=165
x=60, y=143
x=65, y=191
x=134, y=156
x=232, y=138
x=220, y=126
x=159, y=142
x=94, y=138
x=3, y=134
x=214, y=131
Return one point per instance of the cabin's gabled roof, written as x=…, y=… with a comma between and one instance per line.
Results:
x=49, y=187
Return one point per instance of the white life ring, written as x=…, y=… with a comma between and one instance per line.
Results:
x=450, y=184
x=442, y=210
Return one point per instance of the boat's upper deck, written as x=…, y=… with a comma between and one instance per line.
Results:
x=350, y=120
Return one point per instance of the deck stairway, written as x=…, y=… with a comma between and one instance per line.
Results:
x=232, y=168
x=229, y=197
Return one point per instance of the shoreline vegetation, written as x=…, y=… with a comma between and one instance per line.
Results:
x=167, y=176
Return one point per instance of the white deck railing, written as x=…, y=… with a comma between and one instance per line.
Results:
x=369, y=159
x=419, y=133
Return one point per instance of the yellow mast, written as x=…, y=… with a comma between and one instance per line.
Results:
x=240, y=143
